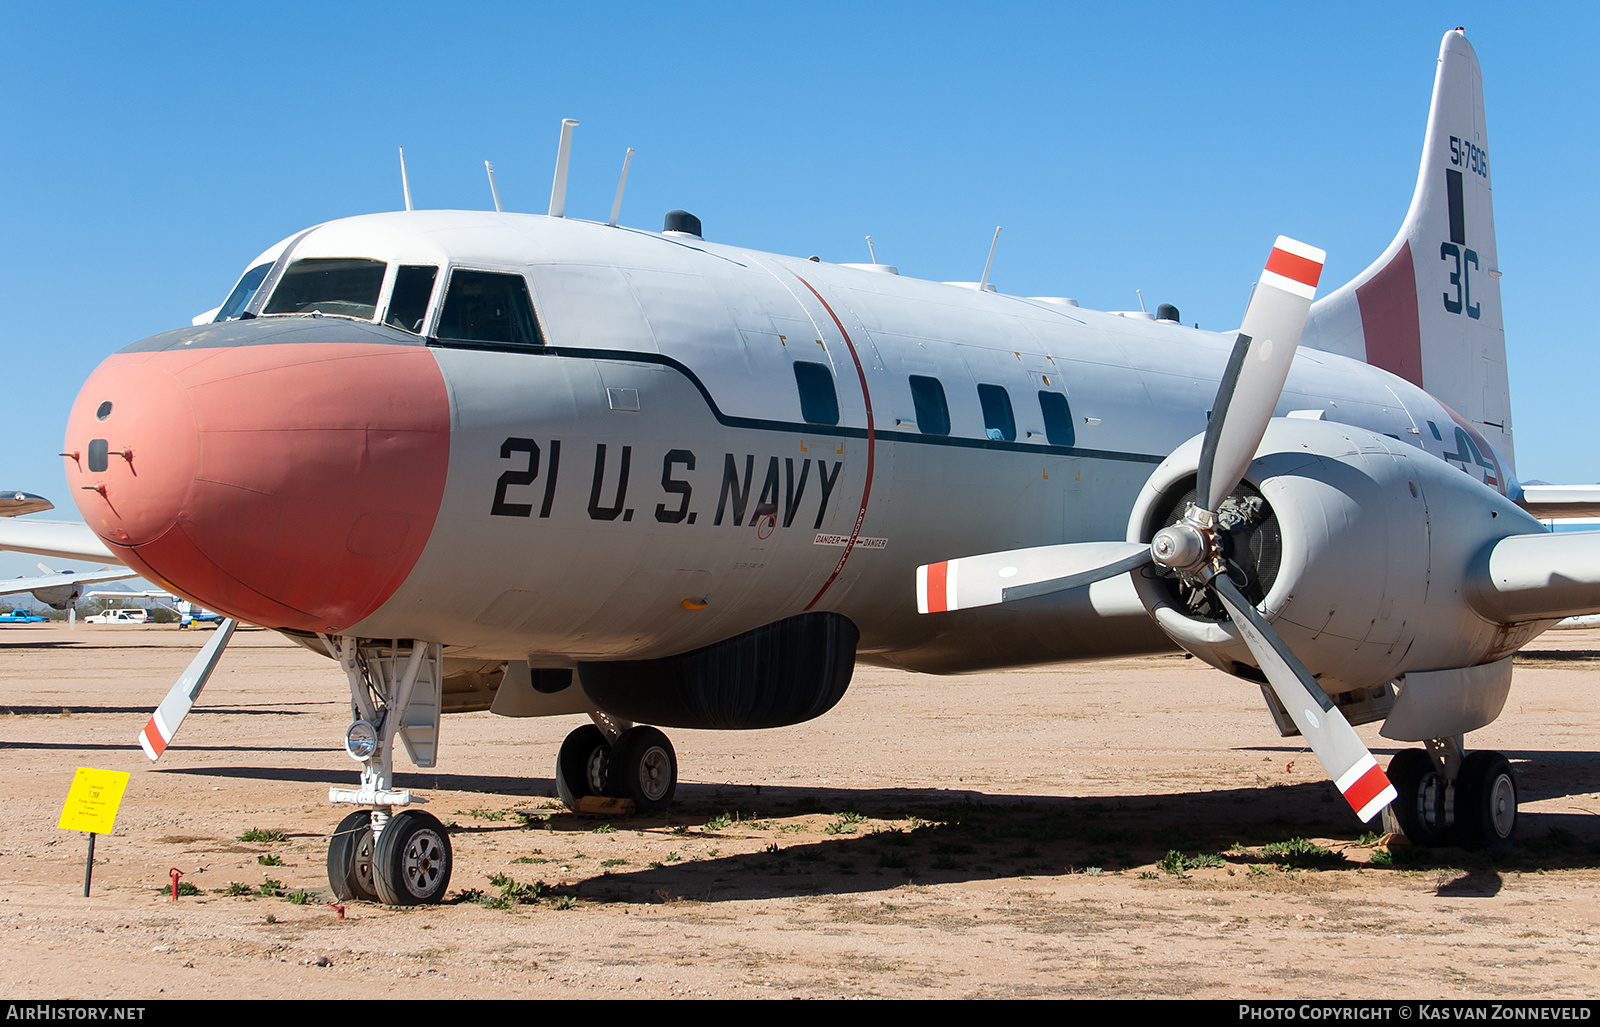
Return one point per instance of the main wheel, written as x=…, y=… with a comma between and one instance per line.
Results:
x=412, y=864
x=582, y=765
x=1420, y=798
x=350, y=859
x=645, y=769
x=1486, y=801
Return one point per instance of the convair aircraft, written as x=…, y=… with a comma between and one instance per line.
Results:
x=539, y=466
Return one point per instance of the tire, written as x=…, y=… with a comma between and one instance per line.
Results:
x=350, y=859
x=1419, y=805
x=645, y=769
x=413, y=861
x=582, y=765
x=1486, y=801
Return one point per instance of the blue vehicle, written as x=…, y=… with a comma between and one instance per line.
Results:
x=21, y=617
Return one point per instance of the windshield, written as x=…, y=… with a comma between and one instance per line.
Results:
x=345, y=286
x=234, y=305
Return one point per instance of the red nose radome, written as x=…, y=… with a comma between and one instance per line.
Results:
x=291, y=485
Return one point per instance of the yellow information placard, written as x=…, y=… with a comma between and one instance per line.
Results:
x=93, y=799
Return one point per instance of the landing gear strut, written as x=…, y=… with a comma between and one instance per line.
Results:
x=399, y=858
x=1444, y=797
x=615, y=759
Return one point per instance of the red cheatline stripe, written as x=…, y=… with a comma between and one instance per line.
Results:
x=937, y=601
x=872, y=444
x=158, y=745
x=1366, y=788
x=1291, y=265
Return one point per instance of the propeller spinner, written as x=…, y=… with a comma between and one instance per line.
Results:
x=1193, y=547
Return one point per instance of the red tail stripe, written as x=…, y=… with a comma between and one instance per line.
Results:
x=1366, y=788
x=937, y=575
x=158, y=745
x=1290, y=265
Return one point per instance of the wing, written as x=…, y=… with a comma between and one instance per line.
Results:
x=43, y=581
x=1554, y=502
x=67, y=540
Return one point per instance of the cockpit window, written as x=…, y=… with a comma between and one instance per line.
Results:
x=344, y=286
x=239, y=298
x=408, y=301
x=482, y=306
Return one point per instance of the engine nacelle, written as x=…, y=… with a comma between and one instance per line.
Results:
x=1357, y=547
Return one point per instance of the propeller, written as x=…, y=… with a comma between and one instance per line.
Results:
x=1192, y=548
x=164, y=722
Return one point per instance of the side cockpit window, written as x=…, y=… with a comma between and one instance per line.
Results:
x=239, y=298
x=408, y=302
x=482, y=306
x=342, y=286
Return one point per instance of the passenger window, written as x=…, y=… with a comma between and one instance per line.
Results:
x=239, y=298
x=1058, y=426
x=482, y=306
x=998, y=420
x=343, y=286
x=933, y=413
x=408, y=302
x=819, y=402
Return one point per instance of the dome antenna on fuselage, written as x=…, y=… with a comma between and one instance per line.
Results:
x=616, y=206
x=558, y=188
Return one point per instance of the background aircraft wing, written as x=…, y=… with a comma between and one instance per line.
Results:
x=1553, y=502
x=14, y=503
x=67, y=540
x=42, y=581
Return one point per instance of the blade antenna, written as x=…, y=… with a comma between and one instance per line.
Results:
x=983, y=282
x=622, y=183
x=493, y=191
x=874, y=253
x=558, y=188
x=405, y=183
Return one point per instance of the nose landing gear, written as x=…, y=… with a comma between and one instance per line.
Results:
x=399, y=858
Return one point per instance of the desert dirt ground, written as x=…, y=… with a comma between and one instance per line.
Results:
x=1104, y=830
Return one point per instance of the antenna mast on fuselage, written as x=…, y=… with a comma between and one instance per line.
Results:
x=558, y=188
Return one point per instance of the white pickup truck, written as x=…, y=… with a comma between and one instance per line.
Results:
x=121, y=616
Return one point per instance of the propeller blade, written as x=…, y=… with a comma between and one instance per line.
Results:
x=1344, y=755
x=1258, y=367
x=1014, y=574
x=164, y=722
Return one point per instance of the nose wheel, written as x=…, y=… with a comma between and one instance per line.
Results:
x=412, y=862
x=350, y=859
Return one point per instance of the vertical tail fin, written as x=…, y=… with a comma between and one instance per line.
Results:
x=1428, y=309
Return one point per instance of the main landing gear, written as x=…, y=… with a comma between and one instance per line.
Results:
x=1445, y=797
x=400, y=858
x=620, y=760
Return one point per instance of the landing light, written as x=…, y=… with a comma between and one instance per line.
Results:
x=361, y=741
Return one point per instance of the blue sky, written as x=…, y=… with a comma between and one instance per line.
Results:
x=150, y=151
